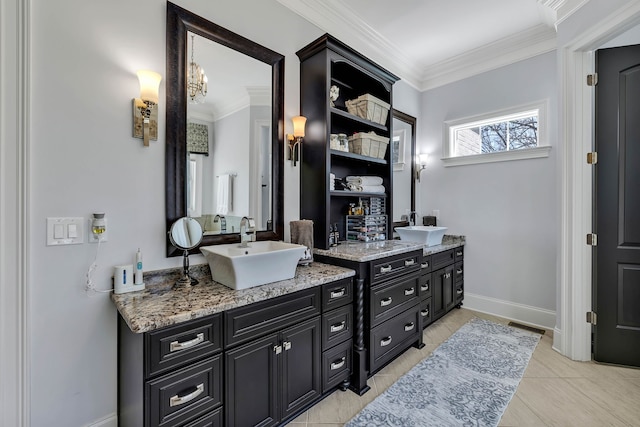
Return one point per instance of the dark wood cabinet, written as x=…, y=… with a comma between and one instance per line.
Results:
x=324, y=63
x=447, y=282
x=270, y=362
x=271, y=378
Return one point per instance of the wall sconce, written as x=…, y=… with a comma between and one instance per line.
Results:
x=295, y=139
x=145, y=108
x=421, y=164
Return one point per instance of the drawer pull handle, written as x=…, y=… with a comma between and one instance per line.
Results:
x=181, y=400
x=338, y=293
x=177, y=345
x=409, y=262
x=277, y=349
x=459, y=291
x=409, y=291
x=286, y=345
x=459, y=271
x=447, y=276
x=424, y=265
x=386, y=301
x=424, y=287
x=409, y=326
x=339, y=364
x=459, y=253
x=425, y=312
x=385, y=341
x=338, y=326
x=386, y=269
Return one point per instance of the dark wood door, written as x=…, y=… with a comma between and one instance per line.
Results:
x=616, y=278
x=301, y=363
x=251, y=397
x=442, y=291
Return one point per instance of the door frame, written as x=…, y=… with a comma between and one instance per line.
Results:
x=572, y=335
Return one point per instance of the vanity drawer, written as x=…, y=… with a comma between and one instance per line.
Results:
x=392, y=337
x=442, y=259
x=337, y=326
x=184, y=395
x=336, y=365
x=459, y=296
x=337, y=294
x=213, y=419
x=257, y=319
x=459, y=253
x=175, y=346
x=425, y=265
x=425, y=312
x=394, y=266
x=425, y=286
x=458, y=271
x=392, y=298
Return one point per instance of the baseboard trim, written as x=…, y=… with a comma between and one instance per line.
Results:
x=110, y=420
x=526, y=314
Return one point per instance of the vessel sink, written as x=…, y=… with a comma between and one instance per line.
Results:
x=257, y=264
x=425, y=234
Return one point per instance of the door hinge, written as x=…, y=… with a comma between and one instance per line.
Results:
x=592, y=317
x=592, y=158
x=592, y=79
x=592, y=239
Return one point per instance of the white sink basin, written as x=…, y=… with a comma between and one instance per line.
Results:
x=425, y=234
x=258, y=264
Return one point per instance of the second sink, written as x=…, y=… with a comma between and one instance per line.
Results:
x=425, y=234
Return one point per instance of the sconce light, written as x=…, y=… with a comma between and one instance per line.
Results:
x=145, y=108
x=295, y=139
x=421, y=164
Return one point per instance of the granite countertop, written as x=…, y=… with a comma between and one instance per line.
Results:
x=160, y=305
x=362, y=252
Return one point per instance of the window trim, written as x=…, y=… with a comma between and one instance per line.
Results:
x=542, y=150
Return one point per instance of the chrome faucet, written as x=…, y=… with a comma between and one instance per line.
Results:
x=223, y=222
x=247, y=231
x=412, y=218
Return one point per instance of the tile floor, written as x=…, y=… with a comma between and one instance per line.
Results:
x=555, y=391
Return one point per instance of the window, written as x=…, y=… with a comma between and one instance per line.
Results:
x=512, y=134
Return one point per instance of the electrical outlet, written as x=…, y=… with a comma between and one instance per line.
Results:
x=436, y=213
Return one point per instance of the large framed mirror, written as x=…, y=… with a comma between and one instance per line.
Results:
x=403, y=146
x=224, y=150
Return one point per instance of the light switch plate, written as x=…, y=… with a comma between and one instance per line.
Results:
x=58, y=231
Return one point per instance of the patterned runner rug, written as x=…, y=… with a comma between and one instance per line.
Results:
x=467, y=381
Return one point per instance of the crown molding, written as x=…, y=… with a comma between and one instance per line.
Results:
x=527, y=44
x=339, y=20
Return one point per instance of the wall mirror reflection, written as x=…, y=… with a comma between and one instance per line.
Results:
x=403, y=148
x=225, y=133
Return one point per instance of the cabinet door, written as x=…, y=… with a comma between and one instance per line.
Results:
x=301, y=363
x=252, y=383
x=442, y=291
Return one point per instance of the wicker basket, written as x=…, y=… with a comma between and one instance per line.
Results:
x=369, y=107
x=368, y=144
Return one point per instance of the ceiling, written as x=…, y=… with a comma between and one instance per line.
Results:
x=429, y=43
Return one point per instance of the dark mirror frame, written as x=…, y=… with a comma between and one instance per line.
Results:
x=179, y=21
x=411, y=121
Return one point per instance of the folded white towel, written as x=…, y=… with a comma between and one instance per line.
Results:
x=225, y=194
x=365, y=180
x=366, y=188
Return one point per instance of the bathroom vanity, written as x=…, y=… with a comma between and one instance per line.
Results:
x=208, y=355
x=400, y=288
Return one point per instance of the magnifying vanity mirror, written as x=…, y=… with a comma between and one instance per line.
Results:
x=403, y=146
x=186, y=234
x=225, y=145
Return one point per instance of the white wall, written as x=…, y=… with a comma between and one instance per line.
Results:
x=507, y=210
x=83, y=159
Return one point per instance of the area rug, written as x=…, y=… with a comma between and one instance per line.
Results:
x=467, y=381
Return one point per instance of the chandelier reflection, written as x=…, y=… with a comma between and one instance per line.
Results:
x=196, y=80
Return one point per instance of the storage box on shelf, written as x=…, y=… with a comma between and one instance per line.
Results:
x=369, y=107
x=366, y=228
x=369, y=144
